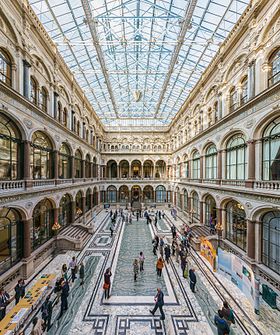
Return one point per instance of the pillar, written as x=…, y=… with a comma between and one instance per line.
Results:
x=118, y=171
x=83, y=168
x=189, y=204
x=182, y=201
x=27, y=249
x=251, y=239
x=83, y=205
x=251, y=163
x=201, y=167
x=251, y=80
x=26, y=79
x=220, y=165
x=26, y=160
x=55, y=164
x=73, y=211
x=55, y=214
x=55, y=99
x=201, y=212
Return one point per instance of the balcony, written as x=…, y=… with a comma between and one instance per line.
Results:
x=267, y=185
x=233, y=182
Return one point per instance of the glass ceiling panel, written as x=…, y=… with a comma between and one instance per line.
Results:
x=126, y=74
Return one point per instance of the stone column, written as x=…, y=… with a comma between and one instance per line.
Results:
x=251, y=164
x=201, y=212
x=189, y=204
x=26, y=79
x=251, y=80
x=55, y=214
x=182, y=201
x=72, y=167
x=26, y=160
x=220, y=107
x=118, y=171
x=201, y=167
x=219, y=165
x=55, y=99
x=83, y=205
x=83, y=168
x=258, y=241
x=73, y=211
x=251, y=239
x=55, y=164
x=27, y=247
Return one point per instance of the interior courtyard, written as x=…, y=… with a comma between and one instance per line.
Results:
x=140, y=126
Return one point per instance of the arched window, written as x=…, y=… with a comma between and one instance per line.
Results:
x=5, y=67
x=161, y=194
x=44, y=99
x=43, y=220
x=124, y=194
x=88, y=174
x=10, y=150
x=236, y=226
x=79, y=205
x=271, y=151
x=233, y=102
x=237, y=158
x=33, y=90
x=195, y=205
x=274, y=62
x=210, y=210
x=271, y=240
x=64, y=217
x=64, y=162
x=88, y=200
x=185, y=200
x=148, y=194
x=211, y=162
x=111, y=194
x=11, y=238
x=196, y=165
x=78, y=164
x=41, y=156
x=244, y=91
x=95, y=196
x=64, y=117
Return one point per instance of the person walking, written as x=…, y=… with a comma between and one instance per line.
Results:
x=82, y=273
x=46, y=310
x=135, y=268
x=228, y=313
x=222, y=326
x=192, y=276
x=163, y=214
x=159, y=266
x=177, y=252
x=64, y=297
x=38, y=326
x=141, y=261
x=183, y=265
x=19, y=290
x=161, y=244
x=137, y=215
x=159, y=215
x=4, y=301
x=64, y=272
x=107, y=283
x=58, y=288
x=159, y=303
x=156, y=220
x=111, y=229
x=167, y=253
x=73, y=267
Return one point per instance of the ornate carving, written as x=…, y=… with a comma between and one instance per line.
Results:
x=28, y=205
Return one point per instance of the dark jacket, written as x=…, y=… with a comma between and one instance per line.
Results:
x=107, y=278
x=65, y=291
x=192, y=276
x=159, y=298
x=19, y=291
x=82, y=272
x=167, y=252
x=222, y=325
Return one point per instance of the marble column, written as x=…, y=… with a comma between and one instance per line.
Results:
x=118, y=171
x=73, y=211
x=26, y=79
x=55, y=101
x=26, y=160
x=72, y=167
x=251, y=80
x=83, y=205
x=83, y=168
x=251, y=164
x=219, y=165
x=201, y=167
x=27, y=248
x=55, y=164
x=251, y=239
x=201, y=212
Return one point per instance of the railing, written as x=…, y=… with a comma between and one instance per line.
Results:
x=63, y=181
x=211, y=181
x=9, y=185
x=267, y=185
x=43, y=182
x=233, y=182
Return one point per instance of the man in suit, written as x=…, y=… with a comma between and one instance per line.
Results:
x=159, y=304
x=4, y=300
x=192, y=279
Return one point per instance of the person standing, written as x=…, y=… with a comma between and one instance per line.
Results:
x=111, y=229
x=192, y=276
x=154, y=247
x=141, y=261
x=183, y=265
x=167, y=253
x=64, y=272
x=73, y=267
x=46, y=310
x=173, y=231
x=159, y=302
x=156, y=219
x=135, y=269
x=163, y=214
x=64, y=297
x=222, y=326
x=228, y=313
x=159, y=266
x=161, y=244
x=137, y=215
x=107, y=283
x=19, y=290
x=38, y=326
x=4, y=301
x=82, y=273
x=159, y=215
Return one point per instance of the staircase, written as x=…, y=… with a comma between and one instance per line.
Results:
x=73, y=238
x=201, y=231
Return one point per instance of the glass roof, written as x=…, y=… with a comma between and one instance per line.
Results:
x=137, y=60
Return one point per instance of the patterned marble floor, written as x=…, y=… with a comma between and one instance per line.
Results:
x=90, y=313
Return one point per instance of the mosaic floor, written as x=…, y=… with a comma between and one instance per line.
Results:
x=127, y=310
